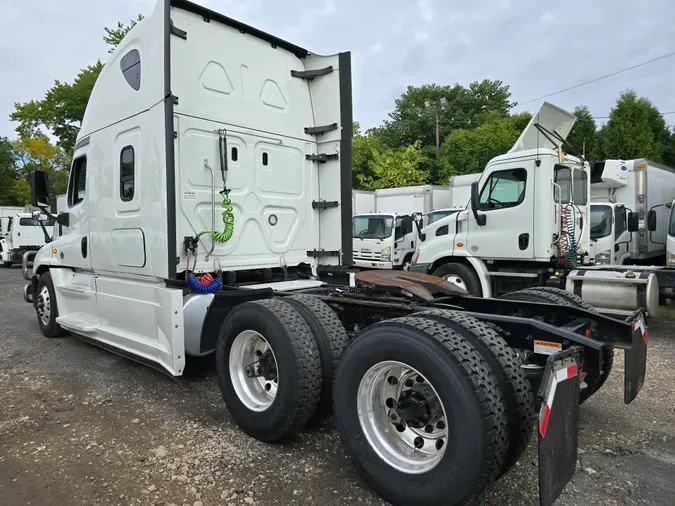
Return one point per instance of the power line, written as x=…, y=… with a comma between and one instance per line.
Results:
x=598, y=78
x=607, y=117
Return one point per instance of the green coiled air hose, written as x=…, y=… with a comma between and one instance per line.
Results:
x=228, y=220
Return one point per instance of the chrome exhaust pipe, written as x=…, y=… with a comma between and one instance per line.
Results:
x=27, y=293
x=28, y=256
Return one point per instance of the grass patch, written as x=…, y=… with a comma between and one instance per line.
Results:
x=667, y=312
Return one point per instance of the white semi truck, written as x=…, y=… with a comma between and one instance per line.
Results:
x=433, y=405
x=629, y=218
x=24, y=233
x=387, y=237
x=528, y=226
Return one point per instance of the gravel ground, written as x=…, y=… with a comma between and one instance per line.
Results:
x=79, y=425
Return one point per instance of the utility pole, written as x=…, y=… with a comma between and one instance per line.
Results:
x=442, y=105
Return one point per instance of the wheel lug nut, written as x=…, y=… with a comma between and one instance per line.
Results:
x=428, y=429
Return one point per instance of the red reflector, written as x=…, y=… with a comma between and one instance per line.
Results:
x=588, y=332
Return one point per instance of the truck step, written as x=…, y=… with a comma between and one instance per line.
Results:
x=76, y=325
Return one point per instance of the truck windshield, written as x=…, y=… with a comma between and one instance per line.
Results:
x=30, y=222
x=372, y=227
x=601, y=221
x=437, y=215
x=562, y=179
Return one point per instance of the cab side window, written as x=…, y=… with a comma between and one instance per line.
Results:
x=78, y=181
x=127, y=162
x=503, y=189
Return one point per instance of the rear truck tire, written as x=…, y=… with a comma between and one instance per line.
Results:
x=461, y=275
x=47, y=308
x=331, y=338
x=269, y=369
x=420, y=413
x=561, y=297
x=505, y=366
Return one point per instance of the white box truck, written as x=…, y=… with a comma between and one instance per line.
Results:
x=460, y=189
x=629, y=218
x=363, y=201
x=387, y=238
x=432, y=405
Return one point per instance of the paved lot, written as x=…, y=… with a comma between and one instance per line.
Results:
x=79, y=425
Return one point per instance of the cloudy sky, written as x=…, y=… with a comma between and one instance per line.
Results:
x=536, y=47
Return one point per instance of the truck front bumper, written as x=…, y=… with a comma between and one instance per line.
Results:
x=369, y=264
x=423, y=268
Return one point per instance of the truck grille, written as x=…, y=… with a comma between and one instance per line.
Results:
x=374, y=256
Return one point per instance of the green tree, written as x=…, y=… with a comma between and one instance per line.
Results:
x=635, y=129
x=583, y=135
x=465, y=108
x=113, y=36
x=468, y=151
x=8, y=173
x=364, y=145
x=669, y=156
x=37, y=153
x=392, y=168
x=62, y=109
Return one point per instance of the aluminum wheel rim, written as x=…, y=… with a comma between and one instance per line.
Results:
x=44, y=306
x=256, y=393
x=399, y=449
x=455, y=280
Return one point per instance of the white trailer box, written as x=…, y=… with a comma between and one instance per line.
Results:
x=460, y=189
x=412, y=199
x=363, y=201
x=619, y=187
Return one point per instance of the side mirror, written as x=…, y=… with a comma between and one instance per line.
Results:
x=39, y=189
x=39, y=216
x=480, y=218
x=633, y=221
x=651, y=220
x=669, y=205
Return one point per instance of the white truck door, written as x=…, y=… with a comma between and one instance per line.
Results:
x=621, y=236
x=507, y=202
x=74, y=249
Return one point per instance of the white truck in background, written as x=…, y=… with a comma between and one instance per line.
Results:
x=629, y=217
x=460, y=194
x=175, y=121
x=24, y=233
x=6, y=212
x=460, y=189
x=363, y=201
x=387, y=238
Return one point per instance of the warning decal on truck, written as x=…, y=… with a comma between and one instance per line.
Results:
x=187, y=195
x=546, y=347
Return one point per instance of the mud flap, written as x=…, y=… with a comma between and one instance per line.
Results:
x=635, y=361
x=558, y=424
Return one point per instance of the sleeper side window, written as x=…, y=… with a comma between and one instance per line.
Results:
x=127, y=173
x=131, y=68
x=78, y=181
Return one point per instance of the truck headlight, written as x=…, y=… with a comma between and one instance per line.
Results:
x=604, y=257
x=386, y=254
x=670, y=260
